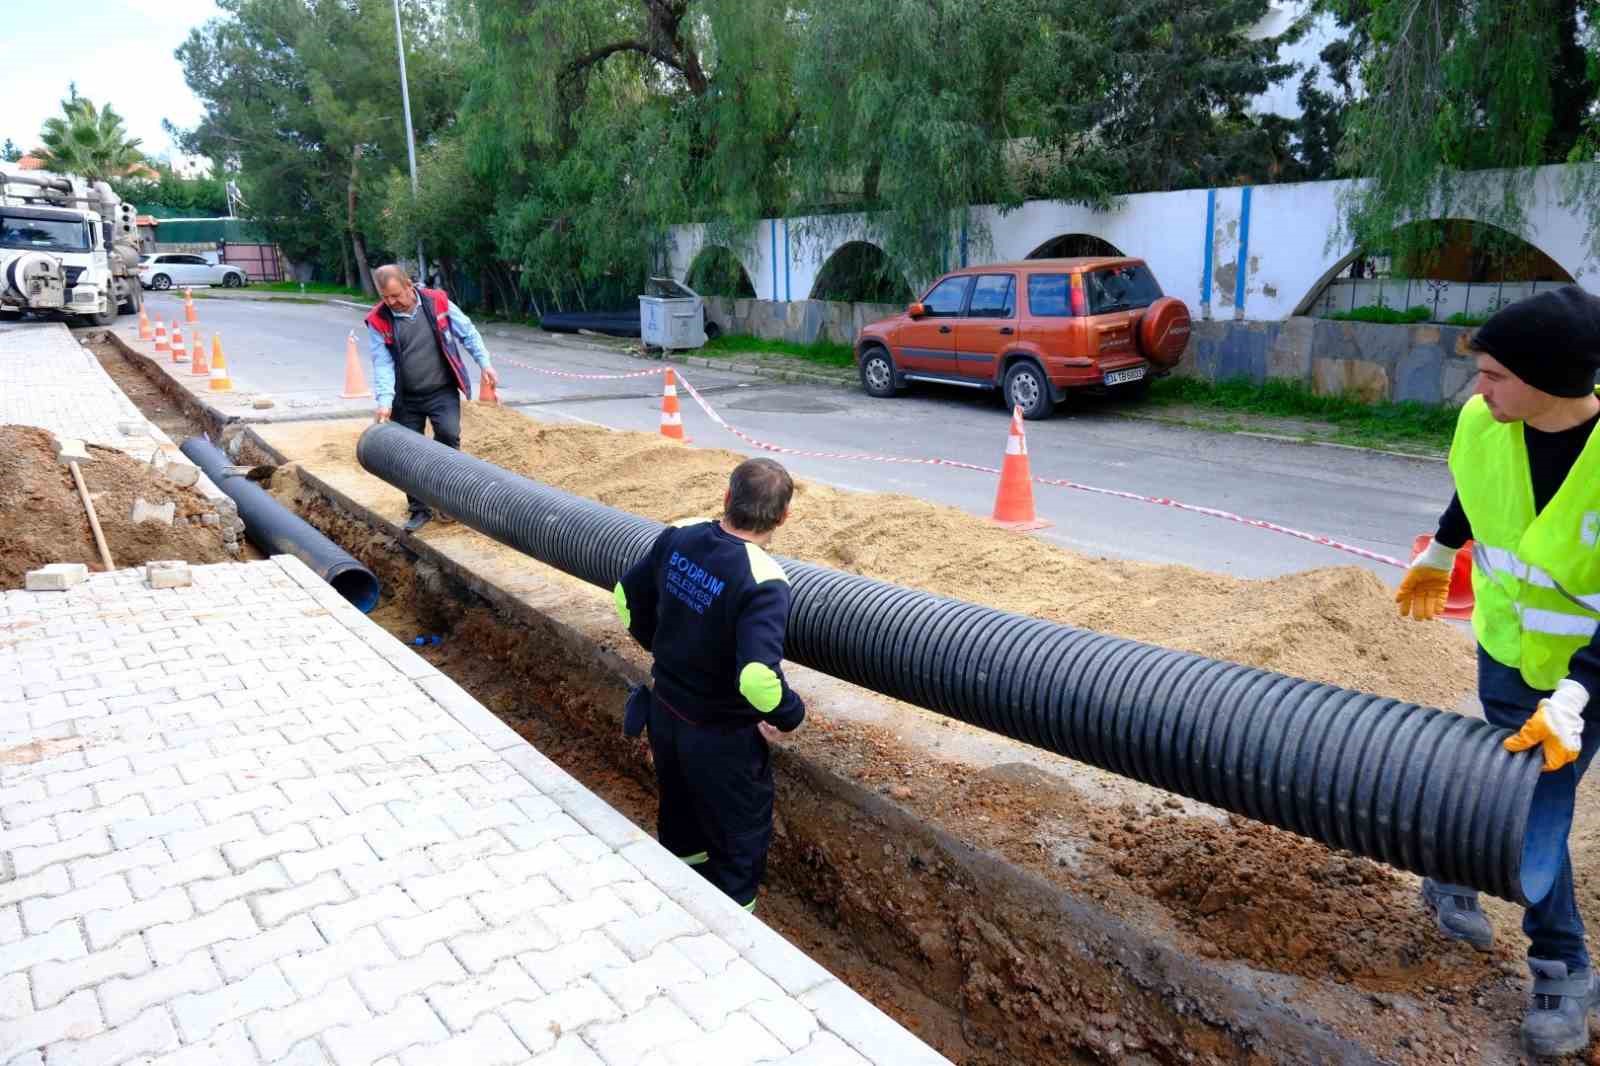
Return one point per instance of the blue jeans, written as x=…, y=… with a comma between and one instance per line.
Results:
x=1553, y=925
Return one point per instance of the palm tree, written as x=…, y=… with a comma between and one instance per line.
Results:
x=89, y=141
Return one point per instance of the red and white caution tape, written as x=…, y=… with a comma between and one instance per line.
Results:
x=1163, y=501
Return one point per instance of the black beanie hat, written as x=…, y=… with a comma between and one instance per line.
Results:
x=1551, y=341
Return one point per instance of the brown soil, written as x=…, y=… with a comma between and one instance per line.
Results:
x=45, y=521
x=1336, y=625
x=147, y=395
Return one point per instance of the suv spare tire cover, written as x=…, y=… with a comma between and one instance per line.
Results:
x=1164, y=331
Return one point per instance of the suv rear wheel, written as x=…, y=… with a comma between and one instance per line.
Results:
x=231, y=280
x=161, y=282
x=877, y=372
x=1027, y=388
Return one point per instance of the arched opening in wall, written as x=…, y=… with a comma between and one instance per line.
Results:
x=1453, y=271
x=717, y=271
x=859, y=272
x=1073, y=245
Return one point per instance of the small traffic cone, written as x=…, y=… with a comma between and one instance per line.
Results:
x=355, y=382
x=198, y=365
x=162, y=348
x=188, y=307
x=177, y=342
x=671, y=417
x=220, y=381
x=1013, y=504
x=144, y=325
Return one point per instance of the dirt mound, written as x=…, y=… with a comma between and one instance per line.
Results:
x=1336, y=625
x=45, y=521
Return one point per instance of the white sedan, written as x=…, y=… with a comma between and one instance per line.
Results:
x=167, y=269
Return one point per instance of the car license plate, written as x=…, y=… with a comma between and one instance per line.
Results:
x=1122, y=377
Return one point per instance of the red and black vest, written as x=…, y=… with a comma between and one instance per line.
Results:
x=381, y=319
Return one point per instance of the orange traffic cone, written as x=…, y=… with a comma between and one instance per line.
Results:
x=198, y=366
x=144, y=325
x=671, y=418
x=355, y=382
x=220, y=381
x=188, y=307
x=162, y=348
x=177, y=342
x=487, y=393
x=1013, y=504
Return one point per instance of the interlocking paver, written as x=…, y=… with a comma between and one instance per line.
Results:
x=231, y=878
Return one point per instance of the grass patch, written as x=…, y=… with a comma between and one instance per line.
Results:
x=1389, y=316
x=1407, y=426
x=321, y=288
x=818, y=353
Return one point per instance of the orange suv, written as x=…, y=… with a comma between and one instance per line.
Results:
x=1032, y=329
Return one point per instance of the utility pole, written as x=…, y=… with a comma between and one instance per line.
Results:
x=411, y=141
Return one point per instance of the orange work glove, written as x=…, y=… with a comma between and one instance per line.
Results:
x=1557, y=726
x=1423, y=590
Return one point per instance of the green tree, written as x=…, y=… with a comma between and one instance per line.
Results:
x=192, y=196
x=603, y=122
x=89, y=141
x=304, y=96
x=1454, y=87
x=10, y=153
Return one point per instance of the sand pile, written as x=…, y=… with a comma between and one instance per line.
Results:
x=45, y=523
x=1336, y=625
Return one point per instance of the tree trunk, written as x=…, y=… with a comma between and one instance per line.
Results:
x=356, y=243
x=344, y=265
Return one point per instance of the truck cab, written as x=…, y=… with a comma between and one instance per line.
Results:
x=67, y=247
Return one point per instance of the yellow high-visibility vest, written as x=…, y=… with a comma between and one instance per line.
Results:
x=1535, y=577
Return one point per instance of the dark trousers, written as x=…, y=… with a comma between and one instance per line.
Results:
x=716, y=800
x=1553, y=925
x=442, y=408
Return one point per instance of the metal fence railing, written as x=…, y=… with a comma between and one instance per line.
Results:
x=1442, y=298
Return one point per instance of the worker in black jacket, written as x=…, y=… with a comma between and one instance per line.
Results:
x=712, y=607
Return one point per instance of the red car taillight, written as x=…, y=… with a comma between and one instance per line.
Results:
x=1079, y=303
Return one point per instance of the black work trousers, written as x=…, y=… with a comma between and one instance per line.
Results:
x=441, y=408
x=716, y=800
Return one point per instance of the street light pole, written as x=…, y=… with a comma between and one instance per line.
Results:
x=411, y=141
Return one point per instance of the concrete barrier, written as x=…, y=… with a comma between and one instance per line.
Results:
x=799, y=321
x=1425, y=363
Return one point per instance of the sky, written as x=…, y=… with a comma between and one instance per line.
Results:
x=118, y=51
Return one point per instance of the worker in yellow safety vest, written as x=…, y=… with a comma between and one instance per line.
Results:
x=1526, y=465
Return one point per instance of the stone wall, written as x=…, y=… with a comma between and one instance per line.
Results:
x=800, y=321
x=1425, y=363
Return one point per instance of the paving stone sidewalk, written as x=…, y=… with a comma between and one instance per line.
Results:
x=241, y=823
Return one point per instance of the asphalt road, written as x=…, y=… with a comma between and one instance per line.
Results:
x=295, y=352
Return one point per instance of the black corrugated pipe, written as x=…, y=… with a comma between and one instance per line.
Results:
x=278, y=531
x=1417, y=788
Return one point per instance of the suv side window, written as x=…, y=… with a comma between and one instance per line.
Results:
x=945, y=299
x=993, y=296
x=1047, y=296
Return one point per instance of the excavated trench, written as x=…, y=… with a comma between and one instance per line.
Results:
x=978, y=955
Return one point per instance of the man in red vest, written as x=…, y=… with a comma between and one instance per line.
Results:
x=417, y=370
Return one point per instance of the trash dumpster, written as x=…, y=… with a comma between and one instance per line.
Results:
x=671, y=316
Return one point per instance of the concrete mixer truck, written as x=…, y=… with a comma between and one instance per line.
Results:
x=68, y=247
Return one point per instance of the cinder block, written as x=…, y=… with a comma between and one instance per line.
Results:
x=168, y=574
x=262, y=403
x=183, y=474
x=72, y=450
x=145, y=511
x=57, y=577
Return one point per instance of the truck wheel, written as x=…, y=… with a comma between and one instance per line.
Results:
x=108, y=317
x=1026, y=387
x=877, y=373
x=135, y=299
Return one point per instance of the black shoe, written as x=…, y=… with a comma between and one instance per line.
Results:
x=417, y=520
x=1457, y=914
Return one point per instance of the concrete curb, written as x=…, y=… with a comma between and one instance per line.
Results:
x=1282, y=438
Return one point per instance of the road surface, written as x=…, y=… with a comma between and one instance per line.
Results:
x=295, y=351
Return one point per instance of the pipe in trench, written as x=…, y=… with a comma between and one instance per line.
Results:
x=1417, y=788
x=278, y=531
